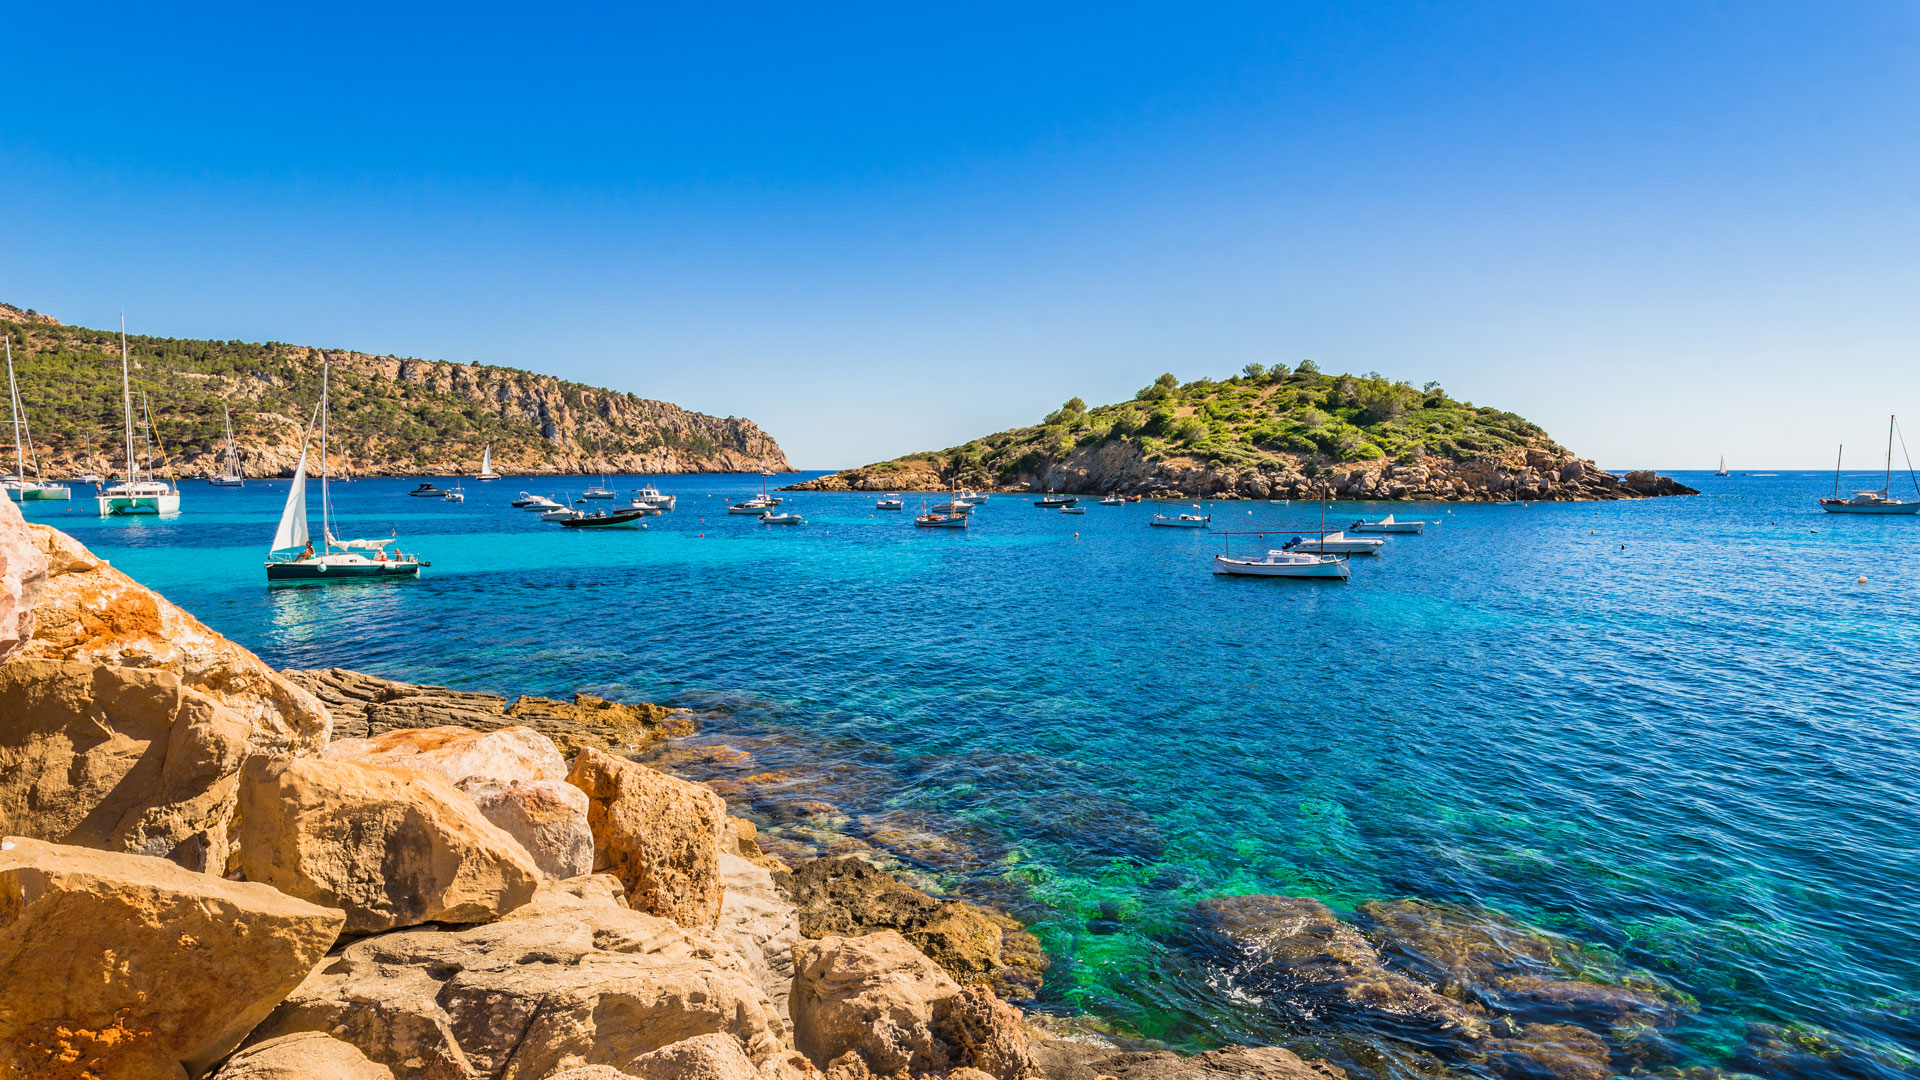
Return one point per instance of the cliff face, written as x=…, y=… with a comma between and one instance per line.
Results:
x=1269, y=434
x=390, y=415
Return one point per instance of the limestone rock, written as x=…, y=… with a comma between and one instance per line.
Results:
x=129, y=966
x=1060, y=1060
x=661, y=836
x=703, y=1057
x=567, y=981
x=368, y=705
x=23, y=574
x=1294, y=944
x=515, y=775
x=761, y=925
x=306, y=1056
x=875, y=1004
x=848, y=896
x=391, y=847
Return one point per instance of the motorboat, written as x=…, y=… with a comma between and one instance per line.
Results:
x=891, y=502
x=1387, y=525
x=1183, y=521
x=1073, y=509
x=601, y=519
x=562, y=513
x=89, y=478
x=1880, y=501
x=956, y=506
x=337, y=560
x=646, y=509
x=755, y=506
x=771, y=518
x=1289, y=564
x=534, y=502
x=974, y=497
x=651, y=496
x=486, y=465
x=1113, y=500
x=599, y=492
x=1338, y=543
x=454, y=495
x=1050, y=500
x=138, y=492
x=428, y=491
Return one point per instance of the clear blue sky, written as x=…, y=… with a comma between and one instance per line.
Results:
x=1663, y=230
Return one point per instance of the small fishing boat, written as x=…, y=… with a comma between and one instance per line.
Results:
x=1387, y=525
x=16, y=484
x=1050, y=500
x=1288, y=564
x=1338, y=543
x=1184, y=521
x=1073, y=509
x=771, y=518
x=955, y=506
x=651, y=496
x=1113, y=500
x=562, y=513
x=891, y=502
x=755, y=506
x=337, y=560
x=974, y=497
x=229, y=474
x=454, y=494
x=137, y=492
x=601, y=519
x=486, y=465
x=428, y=491
x=533, y=502
x=940, y=521
x=1880, y=501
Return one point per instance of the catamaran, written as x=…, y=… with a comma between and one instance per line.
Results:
x=229, y=474
x=1873, y=502
x=137, y=492
x=292, y=557
x=16, y=484
x=486, y=465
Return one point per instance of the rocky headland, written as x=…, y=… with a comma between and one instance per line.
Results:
x=392, y=416
x=209, y=868
x=1269, y=433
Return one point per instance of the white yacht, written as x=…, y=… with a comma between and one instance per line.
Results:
x=651, y=496
x=534, y=502
x=16, y=484
x=137, y=492
x=1338, y=543
x=891, y=502
x=1291, y=564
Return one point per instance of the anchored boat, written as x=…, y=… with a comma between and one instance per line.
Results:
x=651, y=496
x=16, y=484
x=486, y=465
x=1289, y=564
x=137, y=492
x=1338, y=543
x=1387, y=525
x=1184, y=521
x=602, y=519
x=891, y=502
x=229, y=474
x=1873, y=502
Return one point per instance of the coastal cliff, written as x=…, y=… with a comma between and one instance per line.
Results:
x=1269, y=433
x=391, y=416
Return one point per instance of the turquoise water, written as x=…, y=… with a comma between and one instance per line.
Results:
x=1675, y=730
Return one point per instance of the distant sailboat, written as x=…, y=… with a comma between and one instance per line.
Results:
x=16, y=485
x=486, y=465
x=136, y=493
x=1723, y=466
x=337, y=560
x=229, y=474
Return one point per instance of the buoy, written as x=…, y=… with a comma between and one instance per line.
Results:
x=1861, y=580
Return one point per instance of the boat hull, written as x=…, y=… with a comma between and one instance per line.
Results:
x=1414, y=527
x=49, y=493
x=625, y=519
x=1179, y=524
x=1254, y=568
x=372, y=570
x=1338, y=547
x=1832, y=507
x=135, y=505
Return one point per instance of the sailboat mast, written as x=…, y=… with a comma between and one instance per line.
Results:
x=126, y=396
x=1886, y=482
x=1836, y=469
x=13, y=399
x=326, y=530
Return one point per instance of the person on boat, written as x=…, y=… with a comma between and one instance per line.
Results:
x=307, y=552
x=383, y=554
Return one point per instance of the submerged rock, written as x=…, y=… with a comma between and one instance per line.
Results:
x=849, y=896
x=515, y=775
x=391, y=847
x=115, y=965
x=1059, y=1060
x=660, y=835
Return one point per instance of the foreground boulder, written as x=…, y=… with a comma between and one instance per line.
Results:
x=570, y=980
x=661, y=836
x=306, y=1056
x=123, y=720
x=392, y=848
x=759, y=922
x=115, y=965
x=847, y=896
x=515, y=775
x=876, y=1005
x=23, y=573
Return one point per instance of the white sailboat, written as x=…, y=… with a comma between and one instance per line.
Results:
x=1723, y=466
x=486, y=465
x=337, y=560
x=229, y=474
x=1880, y=501
x=16, y=484
x=137, y=492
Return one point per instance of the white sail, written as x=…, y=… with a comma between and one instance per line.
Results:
x=486, y=459
x=292, y=532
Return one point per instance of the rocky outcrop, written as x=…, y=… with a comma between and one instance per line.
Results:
x=124, y=720
x=391, y=848
x=760, y=923
x=660, y=835
x=514, y=775
x=570, y=980
x=1527, y=475
x=306, y=1056
x=703, y=1057
x=875, y=1005
x=23, y=573
x=364, y=705
x=1062, y=1060
x=847, y=896
x=115, y=965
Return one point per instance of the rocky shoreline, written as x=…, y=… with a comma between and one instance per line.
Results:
x=1529, y=475
x=211, y=868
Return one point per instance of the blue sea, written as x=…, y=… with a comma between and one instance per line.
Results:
x=1682, y=732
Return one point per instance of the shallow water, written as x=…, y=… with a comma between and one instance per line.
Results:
x=1675, y=729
